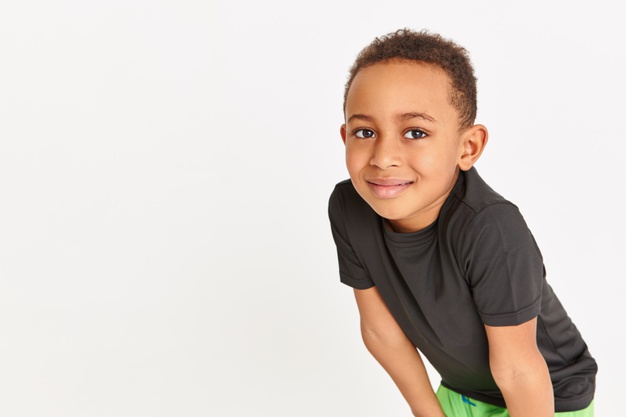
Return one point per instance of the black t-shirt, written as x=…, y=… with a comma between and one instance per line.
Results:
x=477, y=264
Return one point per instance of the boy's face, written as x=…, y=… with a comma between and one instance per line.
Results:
x=403, y=142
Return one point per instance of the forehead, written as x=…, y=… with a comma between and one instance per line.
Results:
x=401, y=86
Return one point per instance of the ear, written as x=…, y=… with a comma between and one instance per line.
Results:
x=342, y=132
x=473, y=142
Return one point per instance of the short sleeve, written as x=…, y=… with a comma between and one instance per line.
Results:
x=503, y=266
x=351, y=270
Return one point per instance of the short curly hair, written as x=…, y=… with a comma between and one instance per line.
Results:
x=423, y=46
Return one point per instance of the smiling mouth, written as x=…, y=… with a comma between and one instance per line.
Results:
x=389, y=183
x=388, y=188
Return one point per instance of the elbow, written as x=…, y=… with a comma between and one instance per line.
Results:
x=510, y=376
x=505, y=377
x=375, y=337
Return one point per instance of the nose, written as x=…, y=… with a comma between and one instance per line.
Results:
x=386, y=153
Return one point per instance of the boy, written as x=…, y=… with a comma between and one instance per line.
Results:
x=437, y=259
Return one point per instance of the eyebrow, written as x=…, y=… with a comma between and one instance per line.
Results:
x=399, y=117
x=415, y=115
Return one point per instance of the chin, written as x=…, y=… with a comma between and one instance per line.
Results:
x=387, y=213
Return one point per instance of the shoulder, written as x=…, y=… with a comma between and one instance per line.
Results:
x=476, y=213
x=350, y=216
x=472, y=202
x=356, y=229
x=345, y=200
x=343, y=192
x=488, y=207
x=473, y=192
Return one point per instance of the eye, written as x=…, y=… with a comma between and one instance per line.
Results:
x=415, y=134
x=364, y=133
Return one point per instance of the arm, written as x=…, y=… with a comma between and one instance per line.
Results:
x=520, y=370
x=392, y=349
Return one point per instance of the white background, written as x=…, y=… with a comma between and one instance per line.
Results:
x=164, y=174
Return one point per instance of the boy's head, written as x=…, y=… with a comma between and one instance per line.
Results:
x=425, y=47
x=409, y=111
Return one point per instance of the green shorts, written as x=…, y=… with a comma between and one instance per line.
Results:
x=457, y=405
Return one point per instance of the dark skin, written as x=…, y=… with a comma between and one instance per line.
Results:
x=404, y=149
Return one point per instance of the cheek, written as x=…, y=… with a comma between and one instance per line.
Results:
x=355, y=160
x=436, y=166
x=445, y=158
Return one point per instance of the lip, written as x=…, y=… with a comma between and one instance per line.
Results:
x=388, y=187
